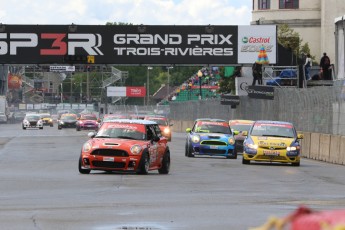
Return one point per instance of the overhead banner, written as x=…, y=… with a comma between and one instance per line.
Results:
x=131, y=44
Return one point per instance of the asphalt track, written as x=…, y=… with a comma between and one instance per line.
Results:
x=41, y=188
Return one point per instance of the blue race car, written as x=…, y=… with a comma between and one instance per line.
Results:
x=211, y=137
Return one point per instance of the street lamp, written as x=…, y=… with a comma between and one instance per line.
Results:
x=200, y=93
x=148, y=85
x=168, y=88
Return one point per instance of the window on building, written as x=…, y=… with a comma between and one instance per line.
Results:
x=288, y=4
x=264, y=4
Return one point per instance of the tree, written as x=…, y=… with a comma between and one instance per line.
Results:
x=290, y=39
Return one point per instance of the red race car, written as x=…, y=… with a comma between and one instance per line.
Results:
x=126, y=145
x=87, y=122
x=163, y=124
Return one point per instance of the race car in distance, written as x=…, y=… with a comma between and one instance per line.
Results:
x=240, y=126
x=47, y=119
x=272, y=141
x=211, y=137
x=163, y=124
x=32, y=121
x=87, y=122
x=67, y=120
x=126, y=145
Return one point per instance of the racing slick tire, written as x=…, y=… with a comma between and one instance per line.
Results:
x=165, y=164
x=188, y=152
x=81, y=170
x=77, y=128
x=235, y=154
x=40, y=127
x=24, y=127
x=59, y=127
x=245, y=162
x=296, y=164
x=144, y=164
x=51, y=125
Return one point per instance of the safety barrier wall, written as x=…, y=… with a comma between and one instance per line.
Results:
x=317, y=110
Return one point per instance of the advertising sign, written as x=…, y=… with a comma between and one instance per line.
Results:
x=261, y=92
x=120, y=44
x=130, y=91
x=257, y=43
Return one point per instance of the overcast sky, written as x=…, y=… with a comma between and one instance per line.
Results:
x=147, y=12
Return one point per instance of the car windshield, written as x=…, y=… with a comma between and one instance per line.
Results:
x=88, y=118
x=32, y=117
x=69, y=118
x=212, y=127
x=124, y=131
x=159, y=121
x=276, y=130
x=45, y=116
x=241, y=127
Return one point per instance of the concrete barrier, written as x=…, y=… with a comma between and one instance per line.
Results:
x=314, y=146
x=305, y=144
x=176, y=127
x=342, y=150
x=325, y=142
x=334, y=152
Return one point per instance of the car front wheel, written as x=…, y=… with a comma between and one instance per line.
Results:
x=81, y=170
x=144, y=165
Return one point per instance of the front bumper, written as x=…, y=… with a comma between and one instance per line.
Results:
x=272, y=156
x=111, y=163
x=40, y=125
x=213, y=150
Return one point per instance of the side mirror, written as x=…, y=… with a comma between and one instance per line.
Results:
x=236, y=132
x=171, y=124
x=300, y=136
x=188, y=130
x=245, y=133
x=91, y=134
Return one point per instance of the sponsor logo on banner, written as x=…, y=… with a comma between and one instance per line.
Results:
x=261, y=92
x=135, y=91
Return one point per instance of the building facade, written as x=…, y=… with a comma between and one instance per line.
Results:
x=314, y=20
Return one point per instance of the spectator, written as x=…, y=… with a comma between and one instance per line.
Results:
x=307, y=66
x=257, y=73
x=325, y=64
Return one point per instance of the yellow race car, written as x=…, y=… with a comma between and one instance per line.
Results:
x=272, y=141
x=47, y=119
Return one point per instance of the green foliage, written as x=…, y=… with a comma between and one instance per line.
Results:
x=290, y=39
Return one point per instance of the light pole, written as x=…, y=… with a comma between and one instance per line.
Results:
x=148, y=85
x=61, y=93
x=200, y=92
x=168, y=88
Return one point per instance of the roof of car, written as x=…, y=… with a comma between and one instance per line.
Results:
x=273, y=122
x=241, y=121
x=211, y=119
x=131, y=121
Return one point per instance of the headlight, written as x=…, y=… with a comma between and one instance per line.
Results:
x=61, y=122
x=252, y=146
x=51, y=120
x=195, y=138
x=136, y=149
x=87, y=147
x=166, y=130
x=231, y=141
x=26, y=122
x=292, y=148
x=39, y=121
